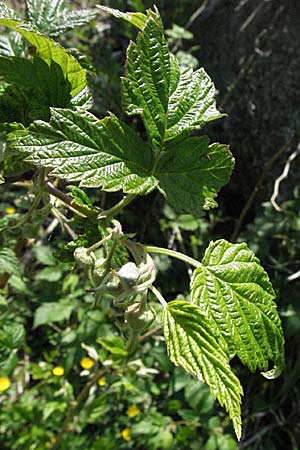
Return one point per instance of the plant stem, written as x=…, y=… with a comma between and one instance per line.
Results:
x=159, y=297
x=73, y=408
x=150, y=333
x=118, y=207
x=166, y=251
x=80, y=210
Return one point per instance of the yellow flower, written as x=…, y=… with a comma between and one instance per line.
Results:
x=58, y=371
x=50, y=443
x=4, y=383
x=133, y=411
x=87, y=363
x=10, y=210
x=126, y=434
x=102, y=381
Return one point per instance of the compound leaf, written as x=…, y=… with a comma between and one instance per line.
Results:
x=99, y=153
x=136, y=19
x=48, y=50
x=234, y=291
x=192, y=172
x=192, y=345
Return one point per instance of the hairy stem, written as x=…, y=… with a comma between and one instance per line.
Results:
x=159, y=297
x=118, y=207
x=173, y=254
x=80, y=210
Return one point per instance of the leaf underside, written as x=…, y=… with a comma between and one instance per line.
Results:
x=192, y=346
x=234, y=291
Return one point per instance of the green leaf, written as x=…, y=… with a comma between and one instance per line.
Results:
x=114, y=345
x=53, y=18
x=172, y=101
x=98, y=153
x=40, y=84
x=14, y=107
x=192, y=172
x=234, y=291
x=52, y=312
x=146, y=86
x=192, y=103
x=192, y=345
x=136, y=19
x=48, y=50
x=12, y=336
x=9, y=262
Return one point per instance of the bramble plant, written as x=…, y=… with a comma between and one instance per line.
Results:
x=46, y=124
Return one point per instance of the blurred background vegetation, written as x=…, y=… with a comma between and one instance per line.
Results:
x=251, y=49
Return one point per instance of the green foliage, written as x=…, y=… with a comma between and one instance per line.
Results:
x=237, y=296
x=192, y=346
x=136, y=19
x=104, y=274
x=53, y=18
x=48, y=50
x=37, y=85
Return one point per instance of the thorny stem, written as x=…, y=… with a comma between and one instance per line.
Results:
x=168, y=252
x=73, y=407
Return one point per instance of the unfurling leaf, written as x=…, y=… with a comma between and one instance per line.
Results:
x=192, y=345
x=234, y=291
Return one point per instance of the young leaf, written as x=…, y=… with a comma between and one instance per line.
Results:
x=136, y=19
x=235, y=293
x=48, y=50
x=171, y=100
x=192, y=103
x=146, y=86
x=192, y=172
x=98, y=153
x=53, y=18
x=192, y=345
